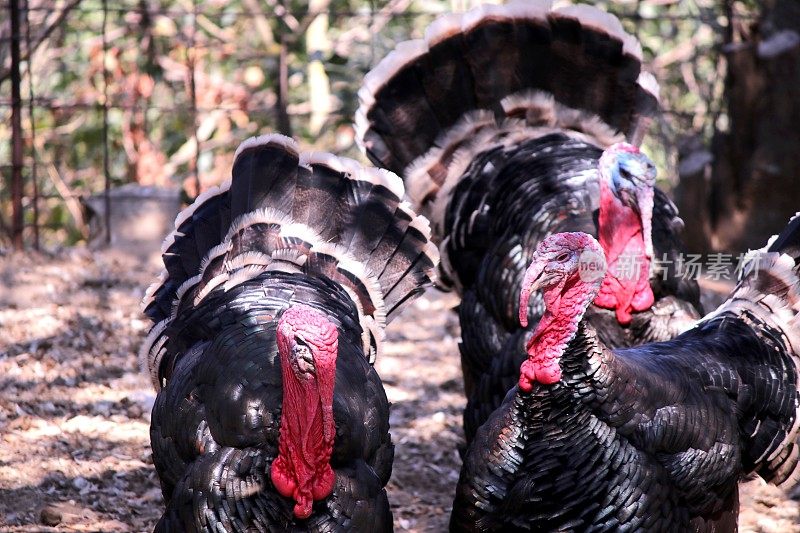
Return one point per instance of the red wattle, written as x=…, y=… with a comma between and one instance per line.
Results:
x=565, y=304
x=302, y=469
x=626, y=286
x=544, y=372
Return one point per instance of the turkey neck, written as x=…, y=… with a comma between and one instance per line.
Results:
x=593, y=380
x=565, y=305
x=626, y=238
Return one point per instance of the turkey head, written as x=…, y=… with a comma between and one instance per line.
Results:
x=627, y=180
x=307, y=346
x=569, y=268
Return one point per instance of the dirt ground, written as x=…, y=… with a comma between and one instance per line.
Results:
x=74, y=408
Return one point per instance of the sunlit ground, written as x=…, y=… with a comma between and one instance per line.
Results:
x=74, y=409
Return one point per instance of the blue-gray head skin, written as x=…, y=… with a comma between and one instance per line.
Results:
x=630, y=177
x=630, y=172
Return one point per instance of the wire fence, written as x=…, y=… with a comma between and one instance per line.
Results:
x=160, y=92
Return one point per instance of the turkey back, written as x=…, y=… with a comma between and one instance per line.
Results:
x=311, y=213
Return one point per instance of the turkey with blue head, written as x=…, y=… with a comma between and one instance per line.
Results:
x=268, y=317
x=507, y=124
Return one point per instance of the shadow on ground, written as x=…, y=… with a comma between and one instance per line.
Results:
x=74, y=409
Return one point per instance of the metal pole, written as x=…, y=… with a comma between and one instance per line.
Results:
x=34, y=177
x=17, y=219
x=107, y=174
x=192, y=57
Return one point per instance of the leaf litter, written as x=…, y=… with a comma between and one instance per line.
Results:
x=75, y=410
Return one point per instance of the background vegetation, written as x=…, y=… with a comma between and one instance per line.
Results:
x=183, y=81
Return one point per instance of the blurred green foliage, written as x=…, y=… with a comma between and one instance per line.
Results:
x=233, y=48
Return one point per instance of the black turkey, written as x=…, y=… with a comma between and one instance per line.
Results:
x=650, y=438
x=497, y=120
x=269, y=314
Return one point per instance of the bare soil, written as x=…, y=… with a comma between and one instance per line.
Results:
x=74, y=408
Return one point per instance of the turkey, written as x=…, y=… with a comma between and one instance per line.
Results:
x=497, y=121
x=648, y=438
x=270, y=311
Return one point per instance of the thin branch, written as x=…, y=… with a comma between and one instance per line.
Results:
x=62, y=15
x=70, y=199
x=261, y=23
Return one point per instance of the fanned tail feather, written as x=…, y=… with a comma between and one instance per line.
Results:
x=311, y=213
x=572, y=68
x=579, y=54
x=768, y=298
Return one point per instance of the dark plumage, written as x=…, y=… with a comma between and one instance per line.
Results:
x=649, y=438
x=497, y=122
x=496, y=222
x=291, y=231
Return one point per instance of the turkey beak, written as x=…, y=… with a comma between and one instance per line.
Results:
x=533, y=280
x=302, y=360
x=628, y=198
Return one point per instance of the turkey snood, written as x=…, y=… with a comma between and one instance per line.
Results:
x=627, y=178
x=307, y=344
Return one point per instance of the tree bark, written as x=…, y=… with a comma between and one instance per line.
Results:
x=749, y=187
x=317, y=46
x=282, y=93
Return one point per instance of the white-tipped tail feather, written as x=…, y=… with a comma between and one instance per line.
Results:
x=269, y=138
x=593, y=17
x=540, y=115
x=289, y=246
x=413, y=124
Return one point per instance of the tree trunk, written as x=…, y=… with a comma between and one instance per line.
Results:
x=749, y=187
x=282, y=93
x=317, y=47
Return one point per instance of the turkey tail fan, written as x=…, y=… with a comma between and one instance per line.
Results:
x=198, y=228
x=768, y=298
x=522, y=60
x=310, y=213
x=788, y=241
